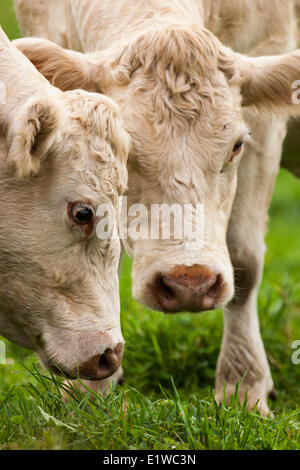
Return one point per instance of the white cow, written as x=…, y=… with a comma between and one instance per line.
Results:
x=62, y=155
x=196, y=92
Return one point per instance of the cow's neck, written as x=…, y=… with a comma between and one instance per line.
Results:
x=242, y=25
x=100, y=25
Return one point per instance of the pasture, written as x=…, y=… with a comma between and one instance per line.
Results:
x=167, y=400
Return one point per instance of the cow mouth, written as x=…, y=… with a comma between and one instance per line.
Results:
x=61, y=373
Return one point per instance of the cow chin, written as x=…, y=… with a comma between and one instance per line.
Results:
x=90, y=354
x=191, y=287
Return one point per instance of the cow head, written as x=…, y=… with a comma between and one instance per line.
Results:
x=182, y=95
x=62, y=156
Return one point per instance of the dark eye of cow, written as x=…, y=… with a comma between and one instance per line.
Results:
x=238, y=146
x=235, y=151
x=82, y=214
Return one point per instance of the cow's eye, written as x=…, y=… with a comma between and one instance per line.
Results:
x=237, y=148
x=235, y=152
x=82, y=214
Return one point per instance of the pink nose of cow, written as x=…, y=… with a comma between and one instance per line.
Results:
x=191, y=289
x=103, y=365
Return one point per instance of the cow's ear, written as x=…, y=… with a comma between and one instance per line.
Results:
x=31, y=136
x=63, y=68
x=271, y=82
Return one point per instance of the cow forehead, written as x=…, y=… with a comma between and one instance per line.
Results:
x=213, y=102
x=83, y=168
x=213, y=130
x=178, y=69
x=155, y=115
x=86, y=155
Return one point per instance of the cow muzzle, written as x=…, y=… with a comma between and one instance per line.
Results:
x=103, y=365
x=191, y=289
x=93, y=355
x=100, y=366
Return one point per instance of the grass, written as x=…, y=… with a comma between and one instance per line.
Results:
x=35, y=417
x=167, y=401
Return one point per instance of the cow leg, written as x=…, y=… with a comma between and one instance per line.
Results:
x=290, y=160
x=242, y=353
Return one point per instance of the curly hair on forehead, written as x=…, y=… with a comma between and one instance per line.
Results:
x=180, y=67
x=100, y=117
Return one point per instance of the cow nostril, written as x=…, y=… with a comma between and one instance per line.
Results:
x=110, y=361
x=103, y=365
x=215, y=290
x=104, y=361
x=192, y=289
x=214, y=293
x=162, y=288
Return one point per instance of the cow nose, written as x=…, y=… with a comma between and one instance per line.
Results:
x=191, y=289
x=103, y=365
